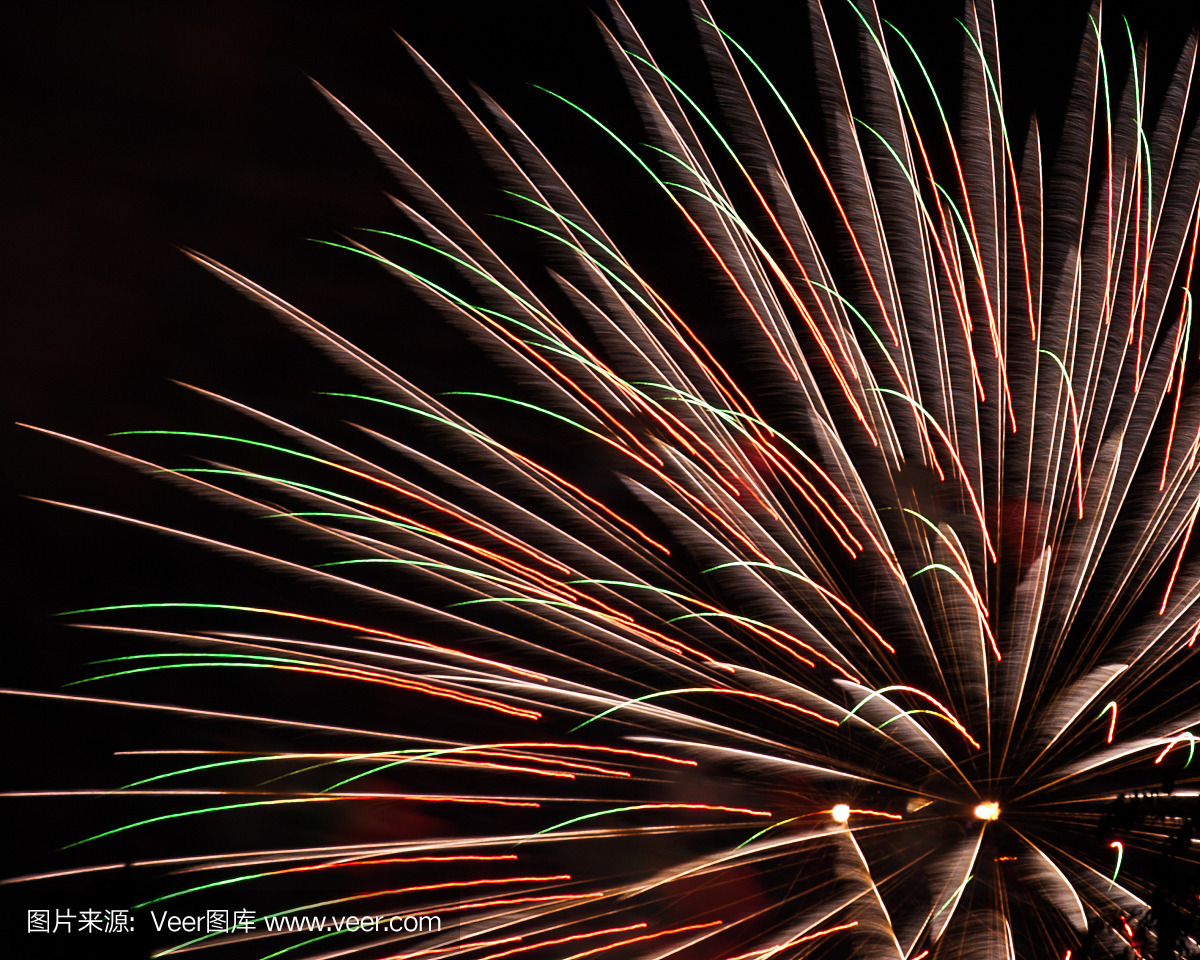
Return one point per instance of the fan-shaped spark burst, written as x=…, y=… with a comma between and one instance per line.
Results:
x=881, y=651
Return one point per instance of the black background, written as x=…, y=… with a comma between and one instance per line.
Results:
x=136, y=128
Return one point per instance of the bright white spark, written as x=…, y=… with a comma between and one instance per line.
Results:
x=988, y=811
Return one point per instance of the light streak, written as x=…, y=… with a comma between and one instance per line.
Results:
x=954, y=896
x=765, y=952
x=1112, y=720
x=762, y=698
x=648, y=936
x=943, y=712
x=1191, y=740
x=656, y=806
x=1120, y=848
x=568, y=939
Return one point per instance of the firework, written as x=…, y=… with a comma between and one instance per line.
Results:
x=848, y=609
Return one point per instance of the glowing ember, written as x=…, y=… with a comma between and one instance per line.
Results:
x=988, y=811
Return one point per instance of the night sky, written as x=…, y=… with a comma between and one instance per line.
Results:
x=136, y=128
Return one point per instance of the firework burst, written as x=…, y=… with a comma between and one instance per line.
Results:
x=850, y=610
